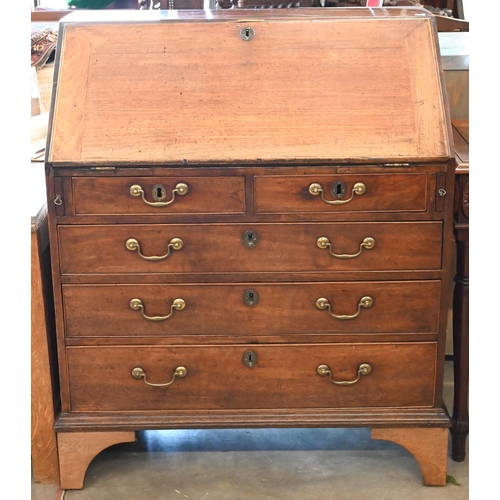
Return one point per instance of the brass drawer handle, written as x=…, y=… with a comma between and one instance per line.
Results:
x=132, y=244
x=315, y=189
x=365, y=302
x=180, y=371
x=324, y=370
x=177, y=305
x=180, y=188
x=323, y=242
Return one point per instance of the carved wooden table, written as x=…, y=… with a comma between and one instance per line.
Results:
x=460, y=418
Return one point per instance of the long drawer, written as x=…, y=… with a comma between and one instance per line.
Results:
x=233, y=248
x=251, y=309
x=292, y=376
x=340, y=193
x=159, y=195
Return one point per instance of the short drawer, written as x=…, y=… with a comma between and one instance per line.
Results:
x=238, y=248
x=159, y=195
x=209, y=377
x=340, y=193
x=252, y=309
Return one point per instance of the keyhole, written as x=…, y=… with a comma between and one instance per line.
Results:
x=158, y=192
x=338, y=189
x=246, y=33
x=249, y=359
x=251, y=298
x=250, y=239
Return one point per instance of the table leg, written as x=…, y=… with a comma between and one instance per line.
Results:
x=460, y=418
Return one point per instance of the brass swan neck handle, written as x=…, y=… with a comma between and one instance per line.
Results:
x=181, y=189
x=365, y=302
x=180, y=372
x=324, y=370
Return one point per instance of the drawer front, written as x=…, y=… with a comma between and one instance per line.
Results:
x=251, y=309
x=169, y=195
x=234, y=248
x=400, y=374
x=341, y=193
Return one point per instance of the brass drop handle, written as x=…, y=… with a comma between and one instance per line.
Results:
x=177, y=305
x=180, y=188
x=132, y=244
x=180, y=372
x=323, y=242
x=365, y=302
x=317, y=190
x=324, y=370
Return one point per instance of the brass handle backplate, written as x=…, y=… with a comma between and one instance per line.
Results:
x=324, y=370
x=323, y=242
x=180, y=188
x=177, y=305
x=132, y=244
x=180, y=372
x=317, y=190
x=364, y=302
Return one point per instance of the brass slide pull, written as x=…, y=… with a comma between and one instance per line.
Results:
x=132, y=244
x=180, y=188
x=180, y=371
x=323, y=242
x=323, y=304
x=177, y=305
x=315, y=189
x=324, y=370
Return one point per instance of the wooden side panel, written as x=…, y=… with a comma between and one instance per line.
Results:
x=43, y=438
x=178, y=93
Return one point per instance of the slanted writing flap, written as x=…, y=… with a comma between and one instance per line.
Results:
x=306, y=88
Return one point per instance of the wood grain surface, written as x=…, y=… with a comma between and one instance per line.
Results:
x=218, y=248
x=191, y=92
x=282, y=309
x=403, y=374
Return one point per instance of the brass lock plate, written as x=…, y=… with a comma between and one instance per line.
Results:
x=251, y=297
x=250, y=359
x=247, y=33
x=338, y=189
x=250, y=238
x=159, y=192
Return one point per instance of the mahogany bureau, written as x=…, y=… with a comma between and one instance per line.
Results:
x=251, y=223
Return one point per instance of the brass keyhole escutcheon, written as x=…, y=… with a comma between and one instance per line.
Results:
x=247, y=33
x=251, y=298
x=249, y=359
x=338, y=189
x=249, y=238
x=159, y=192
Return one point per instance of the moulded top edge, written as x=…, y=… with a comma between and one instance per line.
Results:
x=246, y=15
x=316, y=162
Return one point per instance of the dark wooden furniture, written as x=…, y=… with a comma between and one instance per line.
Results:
x=272, y=251
x=460, y=417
